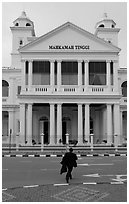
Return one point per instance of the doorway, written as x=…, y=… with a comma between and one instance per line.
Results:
x=64, y=130
x=44, y=128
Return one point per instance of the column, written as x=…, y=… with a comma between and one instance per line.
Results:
x=23, y=67
x=30, y=75
x=109, y=124
x=115, y=75
x=79, y=73
x=29, y=124
x=117, y=122
x=52, y=74
x=58, y=74
x=108, y=77
x=80, y=133
x=52, y=124
x=87, y=123
x=22, y=123
x=86, y=80
x=59, y=122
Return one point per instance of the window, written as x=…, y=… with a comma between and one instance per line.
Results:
x=97, y=73
x=5, y=123
x=28, y=24
x=26, y=73
x=16, y=24
x=41, y=73
x=69, y=71
x=5, y=87
x=101, y=26
x=18, y=90
x=111, y=72
x=21, y=42
x=124, y=89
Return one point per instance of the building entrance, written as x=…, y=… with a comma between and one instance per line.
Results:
x=44, y=125
x=64, y=130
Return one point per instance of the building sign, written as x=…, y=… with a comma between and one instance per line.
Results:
x=69, y=47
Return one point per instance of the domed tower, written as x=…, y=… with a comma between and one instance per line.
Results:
x=106, y=30
x=22, y=28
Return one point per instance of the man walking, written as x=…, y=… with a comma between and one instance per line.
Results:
x=68, y=162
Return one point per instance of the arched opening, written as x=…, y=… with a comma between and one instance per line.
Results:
x=101, y=26
x=5, y=123
x=44, y=127
x=28, y=24
x=5, y=88
x=124, y=89
x=16, y=24
x=65, y=123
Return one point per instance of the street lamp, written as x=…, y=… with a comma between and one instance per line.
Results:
x=115, y=141
x=42, y=141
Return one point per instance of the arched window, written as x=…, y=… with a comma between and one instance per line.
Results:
x=5, y=87
x=16, y=24
x=124, y=89
x=28, y=24
x=102, y=25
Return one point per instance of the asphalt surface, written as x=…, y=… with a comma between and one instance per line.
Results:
x=102, y=179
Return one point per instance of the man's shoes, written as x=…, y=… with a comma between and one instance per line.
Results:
x=67, y=180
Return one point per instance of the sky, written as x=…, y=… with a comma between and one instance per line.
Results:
x=49, y=15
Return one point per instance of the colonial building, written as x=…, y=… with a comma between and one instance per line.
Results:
x=66, y=81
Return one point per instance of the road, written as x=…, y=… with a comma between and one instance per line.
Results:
x=107, y=175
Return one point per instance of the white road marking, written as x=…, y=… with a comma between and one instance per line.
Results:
x=119, y=179
x=83, y=164
x=4, y=169
x=61, y=184
x=5, y=189
x=92, y=175
x=95, y=164
x=116, y=182
x=18, y=155
x=30, y=186
x=90, y=183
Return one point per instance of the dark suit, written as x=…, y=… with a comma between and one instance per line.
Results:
x=69, y=160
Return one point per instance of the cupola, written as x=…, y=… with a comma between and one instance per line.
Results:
x=106, y=29
x=22, y=30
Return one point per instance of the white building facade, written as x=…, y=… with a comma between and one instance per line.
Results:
x=66, y=81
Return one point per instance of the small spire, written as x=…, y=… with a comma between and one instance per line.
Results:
x=105, y=15
x=23, y=15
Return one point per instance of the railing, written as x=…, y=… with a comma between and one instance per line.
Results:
x=69, y=89
x=123, y=101
x=5, y=99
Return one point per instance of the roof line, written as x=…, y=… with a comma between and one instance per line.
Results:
x=63, y=26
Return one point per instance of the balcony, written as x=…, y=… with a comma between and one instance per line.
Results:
x=68, y=89
x=5, y=100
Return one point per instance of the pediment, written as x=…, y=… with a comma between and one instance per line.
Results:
x=69, y=38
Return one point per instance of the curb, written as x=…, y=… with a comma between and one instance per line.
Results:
x=67, y=184
x=61, y=155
